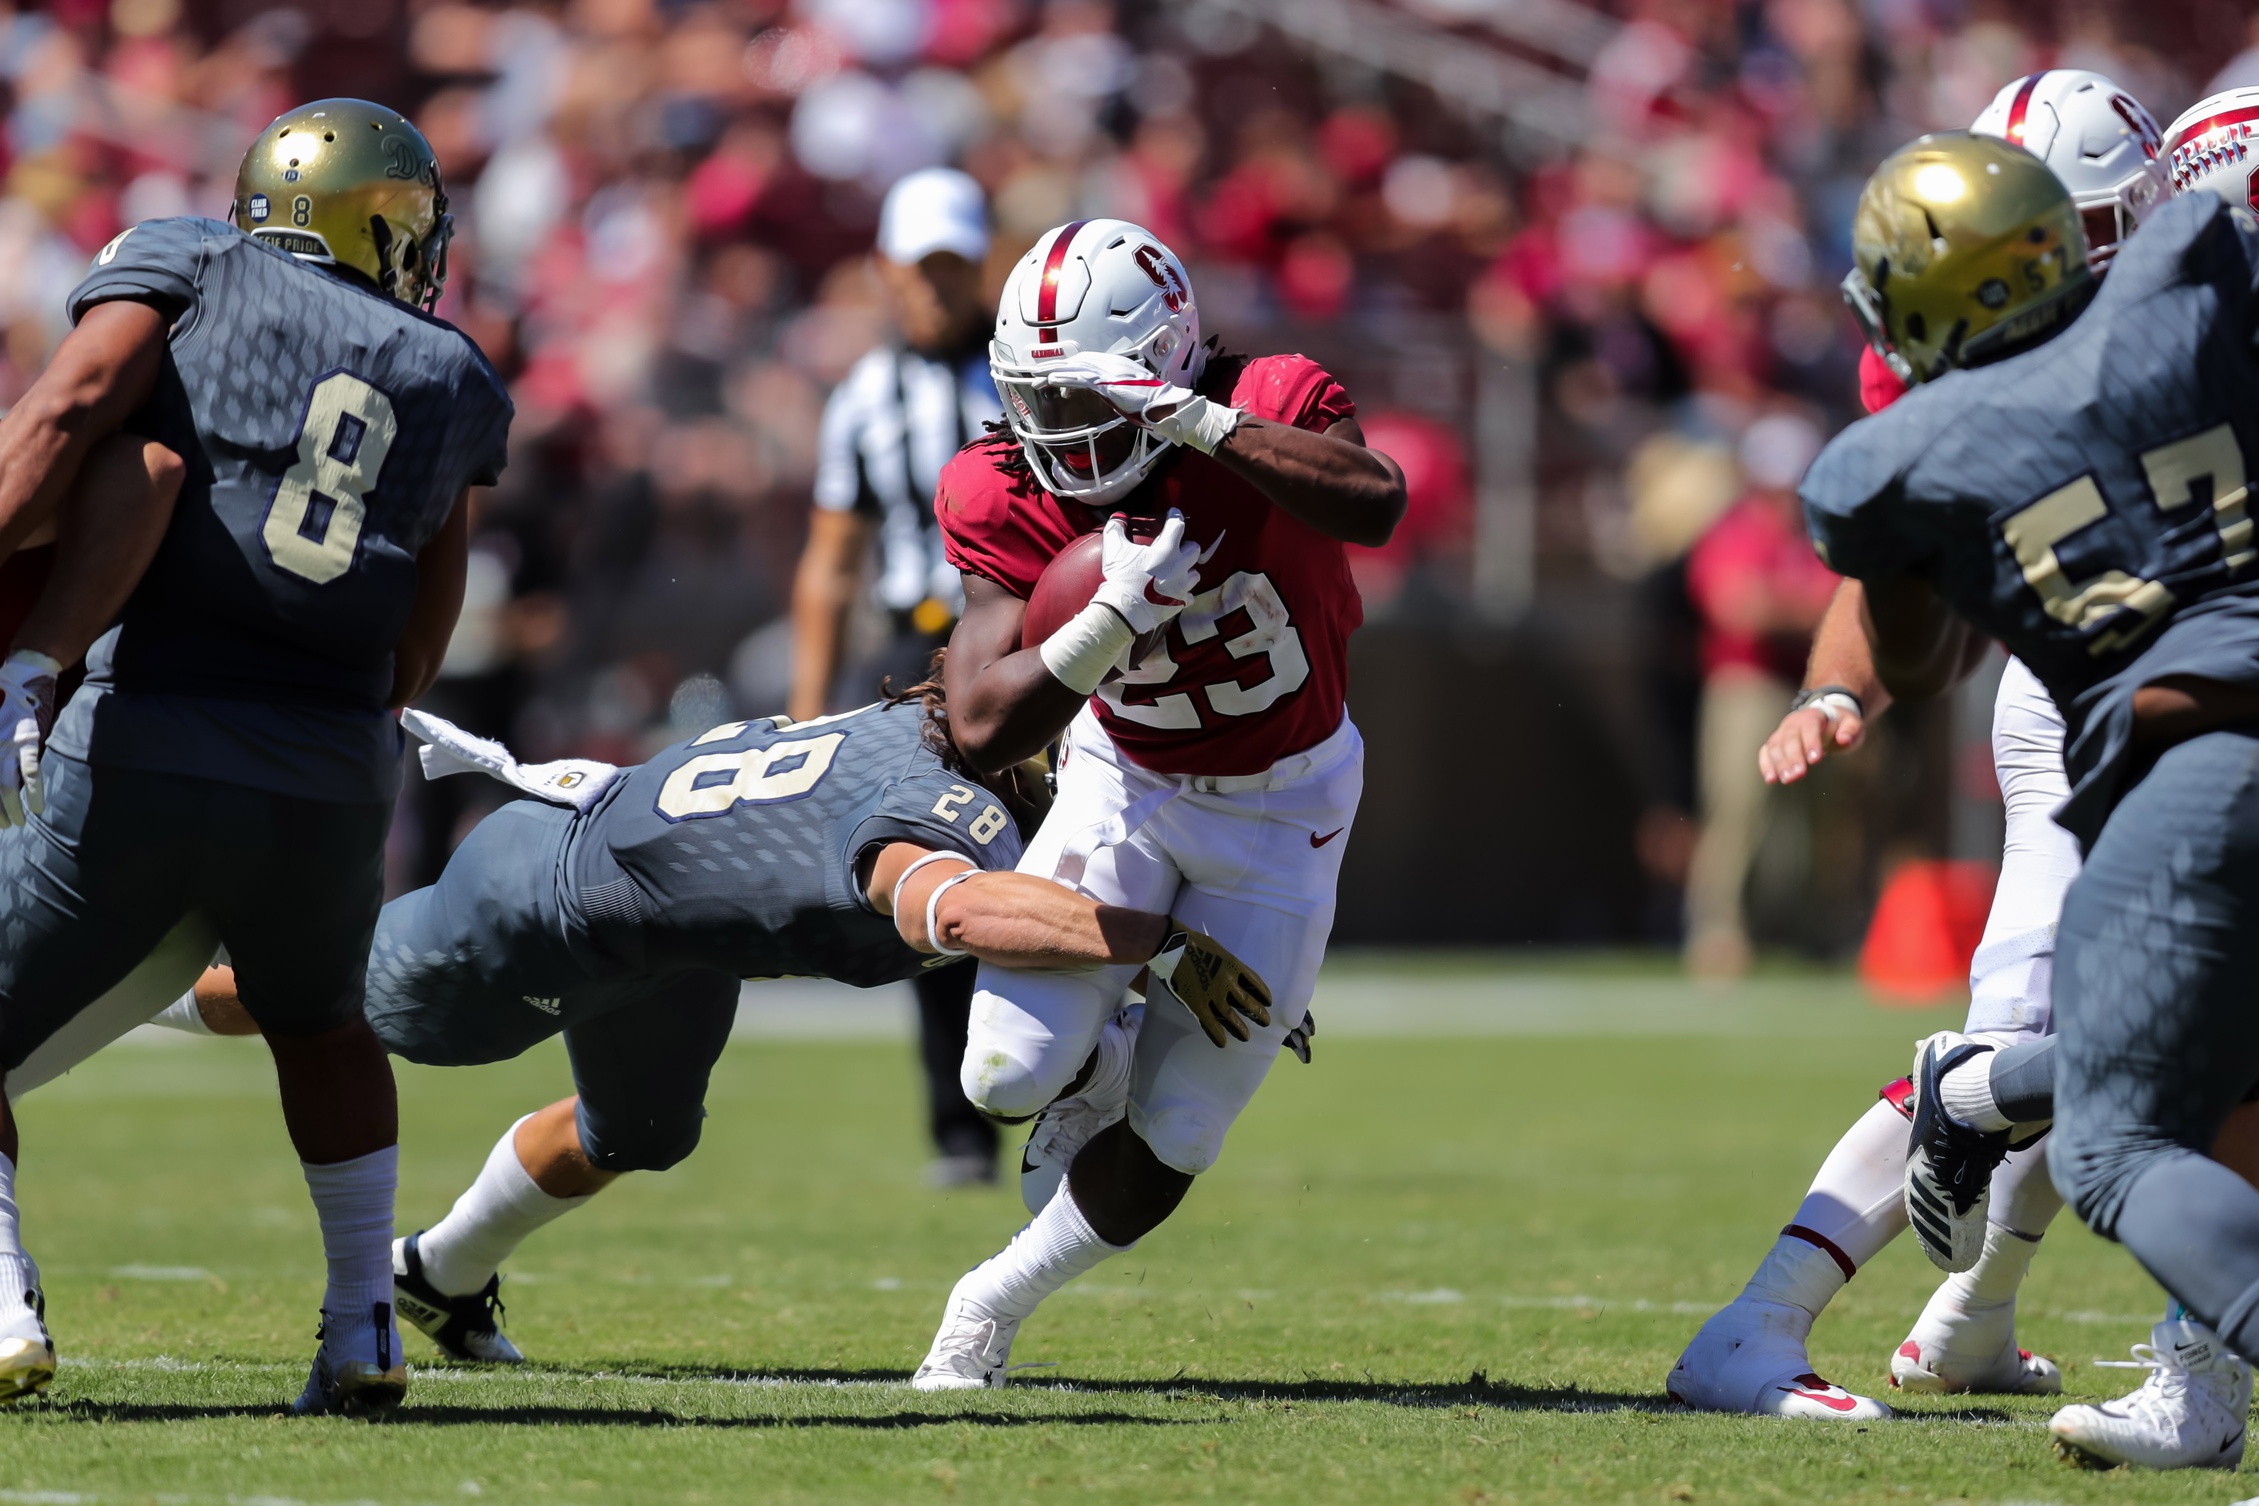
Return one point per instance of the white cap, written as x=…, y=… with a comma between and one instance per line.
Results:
x=933, y=209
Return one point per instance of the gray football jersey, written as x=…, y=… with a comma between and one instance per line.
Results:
x=738, y=850
x=2084, y=502
x=327, y=431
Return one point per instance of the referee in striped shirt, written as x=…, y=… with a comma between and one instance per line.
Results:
x=888, y=430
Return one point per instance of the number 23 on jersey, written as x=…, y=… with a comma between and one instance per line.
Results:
x=1271, y=639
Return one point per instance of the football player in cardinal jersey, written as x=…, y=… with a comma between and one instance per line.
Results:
x=1751, y=1356
x=1214, y=780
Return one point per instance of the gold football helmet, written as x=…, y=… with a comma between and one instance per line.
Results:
x=1965, y=249
x=350, y=184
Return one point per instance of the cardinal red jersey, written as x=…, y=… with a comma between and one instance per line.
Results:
x=1256, y=668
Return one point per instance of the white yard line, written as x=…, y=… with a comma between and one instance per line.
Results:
x=1362, y=997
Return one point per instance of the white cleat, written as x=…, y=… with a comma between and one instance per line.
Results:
x=27, y=1351
x=1750, y=1358
x=1943, y=1368
x=2189, y=1414
x=971, y=1352
x=1960, y=1346
x=1063, y=1129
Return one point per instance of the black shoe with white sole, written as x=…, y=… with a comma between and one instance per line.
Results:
x=467, y=1328
x=1949, y=1166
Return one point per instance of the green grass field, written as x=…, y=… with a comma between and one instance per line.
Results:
x=1447, y=1268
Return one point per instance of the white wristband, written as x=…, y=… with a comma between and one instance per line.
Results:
x=46, y=664
x=1200, y=424
x=1087, y=647
x=915, y=864
x=1835, y=706
x=933, y=902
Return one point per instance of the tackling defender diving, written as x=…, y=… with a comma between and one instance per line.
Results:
x=623, y=908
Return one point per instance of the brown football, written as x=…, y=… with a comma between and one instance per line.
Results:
x=1066, y=587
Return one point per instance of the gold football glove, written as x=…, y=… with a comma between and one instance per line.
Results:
x=1223, y=993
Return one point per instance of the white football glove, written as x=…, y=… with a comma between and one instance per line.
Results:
x=1177, y=414
x=448, y=749
x=1148, y=584
x=27, y=715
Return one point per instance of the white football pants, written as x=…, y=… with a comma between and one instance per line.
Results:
x=1251, y=860
x=2012, y=973
x=163, y=976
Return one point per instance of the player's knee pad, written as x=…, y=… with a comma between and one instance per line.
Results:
x=638, y=1141
x=1186, y=1137
x=1021, y=1052
x=1004, y=1087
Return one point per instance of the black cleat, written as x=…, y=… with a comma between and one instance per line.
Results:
x=1949, y=1166
x=466, y=1328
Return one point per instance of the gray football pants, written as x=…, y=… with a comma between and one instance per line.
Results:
x=480, y=968
x=2157, y=1004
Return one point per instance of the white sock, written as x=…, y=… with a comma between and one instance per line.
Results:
x=1857, y=1203
x=353, y=1200
x=183, y=1014
x=1057, y=1246
x=489, y=1221
x=1796, y=1273
x=19, y=1274
x=1965, y=1092
x=2023, y=1195
x=1999, y=1271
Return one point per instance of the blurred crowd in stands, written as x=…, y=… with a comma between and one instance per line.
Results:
x=1566, y=256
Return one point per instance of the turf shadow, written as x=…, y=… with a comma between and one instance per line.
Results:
x=1477, y=1390
x=415, y=1415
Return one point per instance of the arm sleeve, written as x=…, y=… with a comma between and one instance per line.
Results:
x=840, y=483
x=158, y=262
x=930, y=808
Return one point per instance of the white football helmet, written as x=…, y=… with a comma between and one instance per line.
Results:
x=2212, y=144
x=1095, y=285
x=2099, y=141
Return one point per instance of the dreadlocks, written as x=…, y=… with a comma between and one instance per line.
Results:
x=932, y=697
x=1024, y=788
